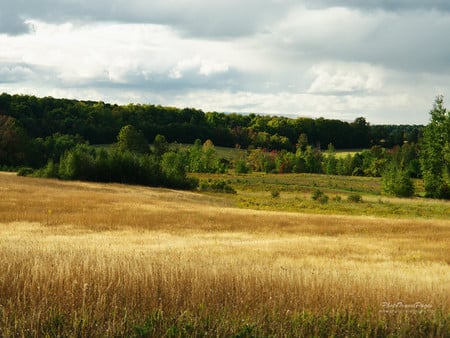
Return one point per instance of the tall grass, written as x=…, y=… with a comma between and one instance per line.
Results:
x=131, y=261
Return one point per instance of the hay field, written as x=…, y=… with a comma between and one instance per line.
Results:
x=86, y=259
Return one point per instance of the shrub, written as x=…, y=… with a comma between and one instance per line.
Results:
x=90, y=164
x=323, y=199
x=354, y=198
x=319, y=196
x=217, y=186
x=241, y=167
x=25, y=171
x=397, y=182
x=275, y=193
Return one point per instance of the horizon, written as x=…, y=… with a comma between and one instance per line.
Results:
x=291, y=116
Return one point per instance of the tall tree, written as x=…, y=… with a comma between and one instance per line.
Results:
x=434, y=153
x=13, y=142
x=131, y=139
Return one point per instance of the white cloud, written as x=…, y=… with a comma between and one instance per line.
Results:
x=345, y=78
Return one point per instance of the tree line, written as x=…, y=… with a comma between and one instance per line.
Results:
x=99, y=123
x=29, y=136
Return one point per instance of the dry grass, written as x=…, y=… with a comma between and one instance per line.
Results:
x=96, y=260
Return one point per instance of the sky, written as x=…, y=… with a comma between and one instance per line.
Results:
x=385, y=60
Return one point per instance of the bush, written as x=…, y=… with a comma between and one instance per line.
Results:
x=219, y=186
x=397, y=182
x=319, y=196
x=25, y=171
x=275, y=193
x=354, y=198
x=241, y=167
x=323, y=199
x=90, y=164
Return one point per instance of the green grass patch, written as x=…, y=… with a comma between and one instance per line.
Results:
x=345, y=195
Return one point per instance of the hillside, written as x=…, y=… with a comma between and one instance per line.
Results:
x=89, y=259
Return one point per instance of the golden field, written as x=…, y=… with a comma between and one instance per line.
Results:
x=87, y=259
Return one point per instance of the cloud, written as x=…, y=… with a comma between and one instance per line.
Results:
x=344, y=79
x=199, y=66
x=386, y=5
x=337, y=59
x=410, y=41
x=191, y=17
x=14, y=72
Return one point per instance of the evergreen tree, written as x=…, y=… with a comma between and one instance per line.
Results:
x=434, y=153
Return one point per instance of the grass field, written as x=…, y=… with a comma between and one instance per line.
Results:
x=295, y=192
x=86, y=259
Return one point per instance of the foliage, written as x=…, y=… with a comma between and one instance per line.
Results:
x=397, y=182
x=13, y=142
x=275, y=193
x=131, y=139
x=319, y=196
x=220, y=186
x=160, y=145
x=173, y=166
x=99, y=123
x=91, y=164
x=25, y=171
x=204, y=158
x=240, y=166
x=354, y=198
x=434, y=153
x=38, y=132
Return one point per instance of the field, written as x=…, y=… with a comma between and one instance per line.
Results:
x=87, y=259
x=294, y=192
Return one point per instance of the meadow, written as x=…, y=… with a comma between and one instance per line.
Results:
x=94, y=260
x=293, y=193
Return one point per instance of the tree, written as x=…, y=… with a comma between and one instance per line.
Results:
x=13, y=142
x=434, y=152
x=302, y=142
x=160, y=145
x=360, y=133
x=131, y=139
x=396, y=181
x=330, y=161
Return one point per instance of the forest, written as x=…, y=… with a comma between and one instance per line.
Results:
x=61, y=138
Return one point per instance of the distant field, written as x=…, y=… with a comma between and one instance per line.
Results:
x=86, y=259
x=345, y=152
x=295, y=195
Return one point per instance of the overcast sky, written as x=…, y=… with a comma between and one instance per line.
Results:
x=385, y=60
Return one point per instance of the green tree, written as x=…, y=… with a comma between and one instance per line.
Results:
x=131, y=139
x=330, y=161
x=13, y=142
x=160, y=145
x=434, y=154
x=302, y=142
x=396, y=181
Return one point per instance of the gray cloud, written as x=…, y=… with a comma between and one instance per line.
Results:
x=195, y=17
x=15, y=72
x=386, y=5
x=410, y=41
x=11, y=22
